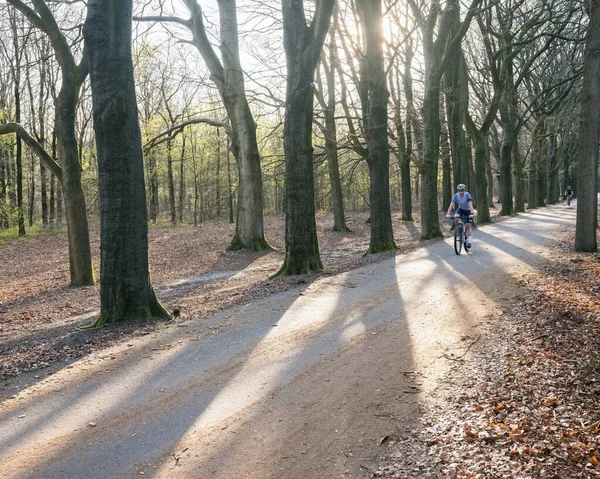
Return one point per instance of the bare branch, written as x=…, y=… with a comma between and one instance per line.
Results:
x=53, y=166
x=172, y=132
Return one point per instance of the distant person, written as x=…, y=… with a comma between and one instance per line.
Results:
x=462, y=198
x=569, y=195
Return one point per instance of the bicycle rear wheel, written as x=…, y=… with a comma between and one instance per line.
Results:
x=458, y=238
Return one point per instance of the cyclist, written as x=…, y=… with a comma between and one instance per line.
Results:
x=569, y=195
x=463, y=200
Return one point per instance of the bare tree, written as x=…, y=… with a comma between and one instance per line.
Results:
x=587, y=168
x=302, y=44
x=382, y=236
x=438, y=53
x=73, y=75
x=228, y=77
x=125, y=290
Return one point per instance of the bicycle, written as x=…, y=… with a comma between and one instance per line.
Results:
x=460, y=235
x=569, y=197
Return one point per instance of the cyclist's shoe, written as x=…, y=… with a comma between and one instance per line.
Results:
x=468, y=244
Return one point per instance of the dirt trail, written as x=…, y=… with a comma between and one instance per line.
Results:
x=302, y=384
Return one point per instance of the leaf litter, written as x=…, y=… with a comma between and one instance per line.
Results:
x=525, y=404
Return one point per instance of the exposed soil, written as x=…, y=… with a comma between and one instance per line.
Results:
x=520, y=401
x=41, y=317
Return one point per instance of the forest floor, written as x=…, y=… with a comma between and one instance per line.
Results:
x=521, y=404
x=41, y=316
x=525, y=404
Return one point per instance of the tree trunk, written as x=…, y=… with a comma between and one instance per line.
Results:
x=44, y=194
x=80, y=258
x=446, y=167
x=229, y=80
x=31, y=205
x=330, y=132
x=3, y=188
x=542, y=166
x=16, y=70
x=125, y=290
x=508, y=115
x=430, y=222
x=302, y=45
x=508, y=137
x=52, y=206
x=181, y=180
x=490, y=178
x=482, y=159
x=518, y=176
x=553, y=165
x=218, y=178
x=382, y=235
x=153, y=187
x=456, y=89
x=587, y=168
x=229, y=183
x=171, y=183
x=337, y=201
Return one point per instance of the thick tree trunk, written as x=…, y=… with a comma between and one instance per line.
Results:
x=518, y=176
x=382, y=235
x=302, y=45
x=587, y=167
x=508, y=114
x=456, y=88
x=482, y=159
x=125, y=290
x=430, y=222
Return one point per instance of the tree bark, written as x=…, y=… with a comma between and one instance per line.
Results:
x=447, y=179
x=382, y=235
x=587, y=167
x=181, y=180
x=330, y=133
x=171, y=183
x=229, y=80
x=518, y=176
x=302, y=45
x=16, y=73
x=125, y=290
x=438, y=55
x=73, y=75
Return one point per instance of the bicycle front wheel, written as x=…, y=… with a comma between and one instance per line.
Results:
x=458, y=238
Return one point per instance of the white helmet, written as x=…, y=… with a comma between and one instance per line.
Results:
x=461, y=187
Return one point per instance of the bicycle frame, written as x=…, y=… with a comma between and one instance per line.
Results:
x=460, y=235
